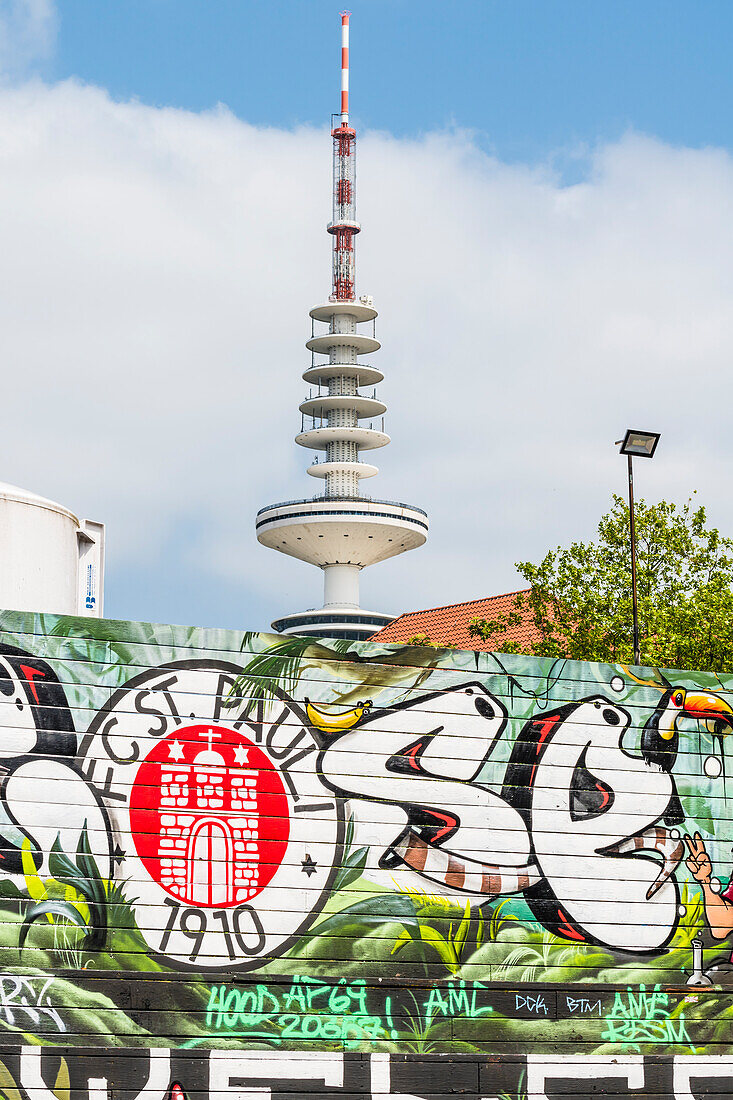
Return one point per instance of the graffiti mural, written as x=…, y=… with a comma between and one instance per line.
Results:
x=239, y=863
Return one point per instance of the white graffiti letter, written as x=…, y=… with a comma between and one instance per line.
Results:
x=230, y=1071
x=700, y=1065
x=579, y=1067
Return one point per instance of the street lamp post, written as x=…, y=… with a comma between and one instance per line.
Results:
x=640, y=445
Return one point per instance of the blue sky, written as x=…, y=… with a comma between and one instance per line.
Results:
x=531, y=76
x=546, y=191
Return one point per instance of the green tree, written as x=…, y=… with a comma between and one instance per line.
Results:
x=580, y=597
x=427, y=642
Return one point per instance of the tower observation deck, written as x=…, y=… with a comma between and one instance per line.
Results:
x=340, y=530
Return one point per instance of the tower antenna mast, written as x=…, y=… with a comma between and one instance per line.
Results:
x=345, y=16
x=344, y=225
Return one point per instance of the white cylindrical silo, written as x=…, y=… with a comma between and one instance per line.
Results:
x=49, y=559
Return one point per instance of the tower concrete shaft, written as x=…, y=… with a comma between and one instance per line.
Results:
x=340, y=530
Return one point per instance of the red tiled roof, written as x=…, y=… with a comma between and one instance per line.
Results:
x=449, y=625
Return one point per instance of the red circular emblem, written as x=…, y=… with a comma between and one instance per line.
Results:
x=209, y=816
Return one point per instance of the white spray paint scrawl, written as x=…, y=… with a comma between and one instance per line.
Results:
x=583, y=827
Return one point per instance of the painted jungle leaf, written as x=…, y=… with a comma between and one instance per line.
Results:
x=61, y=867
x=84, y=877
x=33, y=883
x=8, y=1087
x=88, y=867
x=49, y=908
x=443, y=948
x=385, y=909
x=462, y=930
x=62, y=1084
x=497, y=920
x=351, y=869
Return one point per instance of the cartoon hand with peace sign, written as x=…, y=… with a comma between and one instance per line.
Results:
x=698, y=862
x=718, y=907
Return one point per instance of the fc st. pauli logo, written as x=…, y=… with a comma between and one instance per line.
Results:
x=224, y=839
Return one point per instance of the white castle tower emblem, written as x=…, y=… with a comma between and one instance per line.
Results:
x=208, y=841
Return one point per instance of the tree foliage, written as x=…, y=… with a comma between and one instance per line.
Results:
x=580, y=597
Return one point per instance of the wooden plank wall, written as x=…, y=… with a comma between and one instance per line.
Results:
x=241, y=864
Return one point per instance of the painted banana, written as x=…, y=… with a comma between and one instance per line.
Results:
x=336, y=723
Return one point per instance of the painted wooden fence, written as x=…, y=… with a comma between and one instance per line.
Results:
x=239, y=865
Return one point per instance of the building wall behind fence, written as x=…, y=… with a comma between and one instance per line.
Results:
x=243, y=865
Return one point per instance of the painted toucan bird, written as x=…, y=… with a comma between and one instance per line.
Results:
x=660, y=736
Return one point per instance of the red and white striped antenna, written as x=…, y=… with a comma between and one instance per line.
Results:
x=344, y=226
x=345, y=15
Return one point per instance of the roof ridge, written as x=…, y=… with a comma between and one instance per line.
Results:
x=462, y=603
x=449, y=624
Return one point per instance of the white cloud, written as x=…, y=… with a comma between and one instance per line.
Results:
x=27, y=33
x=157, y=267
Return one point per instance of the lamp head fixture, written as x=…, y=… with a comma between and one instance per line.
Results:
x=639, y=444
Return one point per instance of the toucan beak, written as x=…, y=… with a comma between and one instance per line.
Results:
x=708, y=707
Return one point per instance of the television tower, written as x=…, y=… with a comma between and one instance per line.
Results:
x=340, y=530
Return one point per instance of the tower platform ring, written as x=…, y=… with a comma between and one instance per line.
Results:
x=336, y=309
x=362, y=406
x=367, y=439
x=343, y=226
x=364, y=374
x=363, y=345
x=333, y=531
x=333, y=622
x=361, y=469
